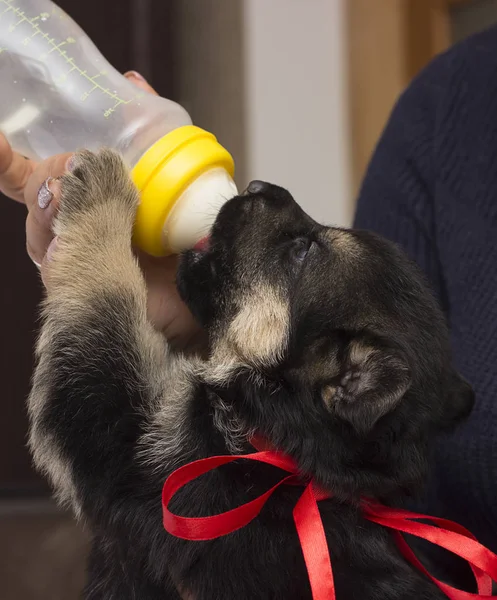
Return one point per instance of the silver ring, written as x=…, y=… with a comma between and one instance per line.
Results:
x=45, y=194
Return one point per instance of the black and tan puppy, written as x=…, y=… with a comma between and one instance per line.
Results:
x=325, y=342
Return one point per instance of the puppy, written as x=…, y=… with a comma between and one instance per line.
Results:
x=323, y=341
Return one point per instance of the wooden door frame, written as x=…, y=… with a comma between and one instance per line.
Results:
x=389, y=42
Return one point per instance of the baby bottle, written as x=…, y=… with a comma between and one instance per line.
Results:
x=60, y=94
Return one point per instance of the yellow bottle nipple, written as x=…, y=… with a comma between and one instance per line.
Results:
x=164, y=172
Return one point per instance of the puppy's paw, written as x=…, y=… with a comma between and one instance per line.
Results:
x=97, y=193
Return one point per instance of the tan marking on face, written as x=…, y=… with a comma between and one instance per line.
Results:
x=257, y=336
x=259, y=332
x=343, y=241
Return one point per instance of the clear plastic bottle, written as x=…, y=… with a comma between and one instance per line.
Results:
x=59, y=94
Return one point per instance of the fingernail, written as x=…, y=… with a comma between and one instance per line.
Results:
x=45, y=196
x=50, y=249
x=134, y=75
x=71, y=163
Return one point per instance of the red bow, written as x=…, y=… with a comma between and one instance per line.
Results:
x=447, y=534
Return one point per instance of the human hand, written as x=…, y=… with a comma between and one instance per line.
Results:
x=36, y=185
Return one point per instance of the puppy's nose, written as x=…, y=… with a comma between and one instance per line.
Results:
x=256, y=187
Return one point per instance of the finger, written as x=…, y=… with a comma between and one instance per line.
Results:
x=15, y=171
x=39, y=225
x=140, y=82
x=54, y=166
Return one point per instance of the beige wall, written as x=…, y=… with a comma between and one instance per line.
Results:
x=268, y=78
x=209, y=75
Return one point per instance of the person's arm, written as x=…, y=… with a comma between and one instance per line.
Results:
x=397, y=196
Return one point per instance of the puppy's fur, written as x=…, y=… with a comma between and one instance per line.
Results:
x=324, y=341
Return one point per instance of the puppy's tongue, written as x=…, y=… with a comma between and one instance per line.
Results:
x=202, y=245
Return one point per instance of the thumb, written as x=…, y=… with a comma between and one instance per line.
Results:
x=15, y=171
x=140, y=82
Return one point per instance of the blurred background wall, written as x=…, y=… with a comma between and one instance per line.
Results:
x=269, y=78
x=298, y=90
x=296, y=113
x=388, y=43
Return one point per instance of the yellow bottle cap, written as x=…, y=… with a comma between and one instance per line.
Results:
x=164, y=172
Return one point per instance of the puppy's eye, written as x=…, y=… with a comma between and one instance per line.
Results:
x=300, y=248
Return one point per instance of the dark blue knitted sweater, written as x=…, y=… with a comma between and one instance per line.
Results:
x=432, y=188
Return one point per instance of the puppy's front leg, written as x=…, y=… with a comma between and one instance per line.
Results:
x=100, y=363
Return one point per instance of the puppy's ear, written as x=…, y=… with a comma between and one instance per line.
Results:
x=373, y=378
x=459, y=402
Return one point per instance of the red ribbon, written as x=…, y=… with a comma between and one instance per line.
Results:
x=448, y=535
